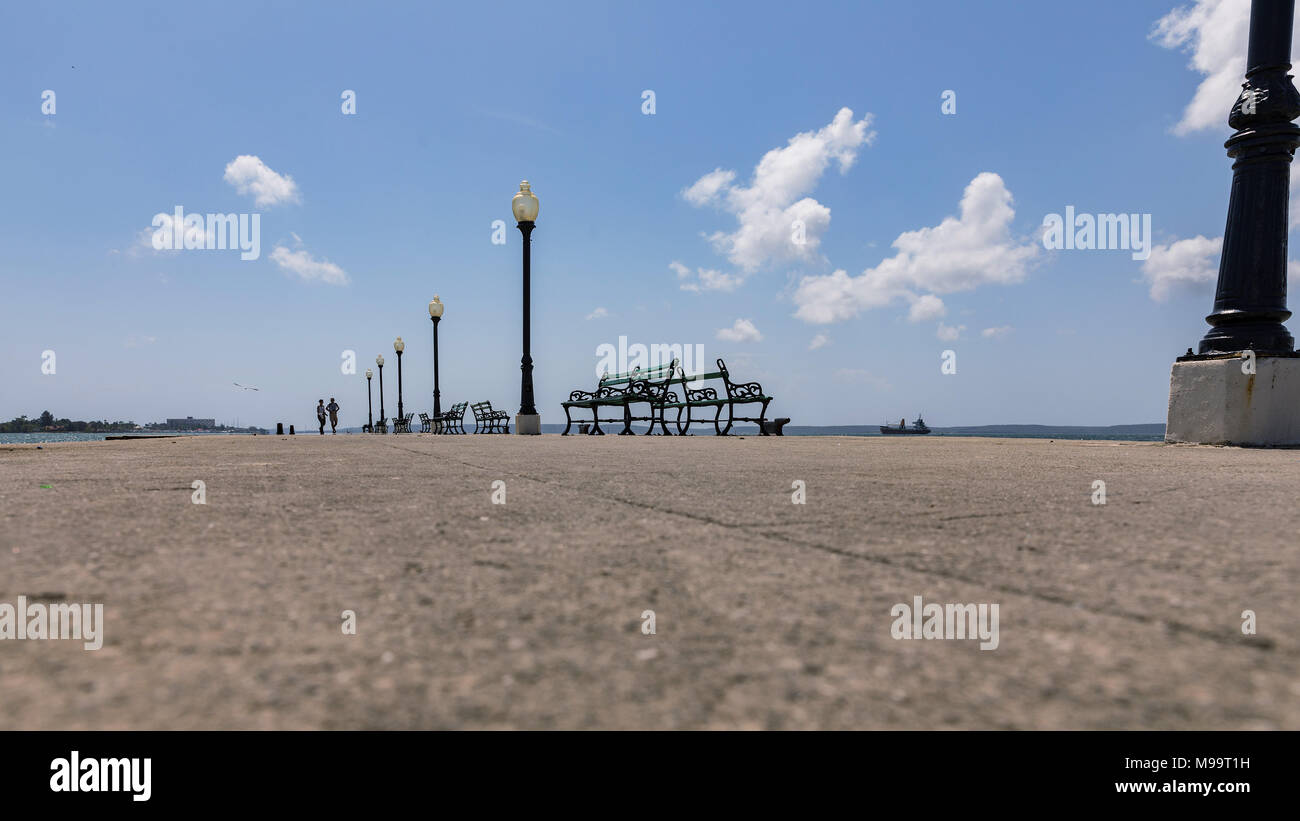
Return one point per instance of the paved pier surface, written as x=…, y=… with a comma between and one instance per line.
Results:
x=768, y=614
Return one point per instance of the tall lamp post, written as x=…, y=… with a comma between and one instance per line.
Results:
x=524, y=205
x=399, y=346
x=370, y=402
x=1243, y=385
x=435, y=314
x=1250, y=302
x=379, y=360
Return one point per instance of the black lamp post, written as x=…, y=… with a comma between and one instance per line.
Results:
x=379, y=360
x=370, y=403
x=1250, y=303
x=435, y=314
x=525, y=206
x=399, y=346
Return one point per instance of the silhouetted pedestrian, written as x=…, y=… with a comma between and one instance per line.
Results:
x=333, y=408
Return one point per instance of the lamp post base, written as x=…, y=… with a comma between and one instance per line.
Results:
x=528, y=424
x=1213, y=401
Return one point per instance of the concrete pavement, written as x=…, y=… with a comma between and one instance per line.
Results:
x=768, y=614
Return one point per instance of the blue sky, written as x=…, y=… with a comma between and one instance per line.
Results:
x=455, y=104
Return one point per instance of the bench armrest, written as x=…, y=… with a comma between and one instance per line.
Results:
x=744, y=390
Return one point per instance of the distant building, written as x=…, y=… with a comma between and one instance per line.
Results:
x=190, y=423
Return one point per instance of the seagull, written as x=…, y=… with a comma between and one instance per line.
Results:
x=245, y=387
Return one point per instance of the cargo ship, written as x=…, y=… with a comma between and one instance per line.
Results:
x=918, y=428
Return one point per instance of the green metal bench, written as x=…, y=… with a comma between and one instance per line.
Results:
x=402, y=424
x=487, y=420
x=737, y=393
x=451, y=421
x=622, y=390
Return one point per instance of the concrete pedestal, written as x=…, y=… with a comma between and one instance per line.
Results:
x=528, y=424
x=1213, y=401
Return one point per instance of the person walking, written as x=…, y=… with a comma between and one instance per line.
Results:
x=320, y=415
x=333, y=408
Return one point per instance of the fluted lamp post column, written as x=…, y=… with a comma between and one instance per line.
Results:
x=1243, y=385
x=399, y=346
x=435, y=314
x=370, y=403
x=525, y=206
x=383, y=417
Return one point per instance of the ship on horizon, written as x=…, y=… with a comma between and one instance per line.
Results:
x=918, y=428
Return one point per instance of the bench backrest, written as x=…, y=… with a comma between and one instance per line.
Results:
x=734, y=390
x=693, y=378
x=638, y=373
x=481, y=409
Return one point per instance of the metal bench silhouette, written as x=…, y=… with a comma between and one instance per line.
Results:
x=487, y=420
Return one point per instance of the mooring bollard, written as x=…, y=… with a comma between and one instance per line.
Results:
x=279, y=429
x=291, y=430
x=772, y=427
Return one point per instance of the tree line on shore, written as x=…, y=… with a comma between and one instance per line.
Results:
x=47, y=422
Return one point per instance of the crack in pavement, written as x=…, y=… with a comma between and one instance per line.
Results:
x=1141, y=618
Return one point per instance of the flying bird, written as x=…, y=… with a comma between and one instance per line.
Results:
x=245, y=387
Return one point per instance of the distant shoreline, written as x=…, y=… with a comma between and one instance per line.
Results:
x=1153, y=432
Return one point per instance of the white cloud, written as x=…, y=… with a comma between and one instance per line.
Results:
x=193, y=232
x=1187, y=265
x=250, y=175
x=996, y=333
x=706, y=188
x=925, y=308
x=1214, y=32
x=819, y=341
x=949, y=333
x=306, y=268
x=707, y=279
x=711, y=280
x=742, y=330
x=766, y=210
x=959, y=254
x=599, y=313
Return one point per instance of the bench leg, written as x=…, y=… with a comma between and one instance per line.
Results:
x=569, y=422
x=731, y=412
x=681, y=430
x=762, y=415
x=627, y=422
x=662, y=426
x=595, y=420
